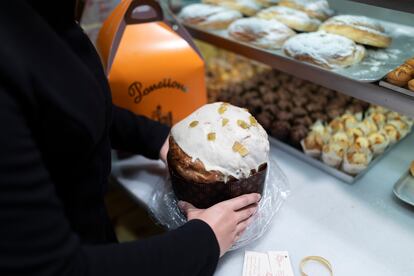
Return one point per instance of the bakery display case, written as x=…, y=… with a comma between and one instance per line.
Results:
x=291, y=99
x=300, y=93
x=359, y=81
x=305, y=119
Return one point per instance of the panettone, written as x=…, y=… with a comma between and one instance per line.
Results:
x=218, y=152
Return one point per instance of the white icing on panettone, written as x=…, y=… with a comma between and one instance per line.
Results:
x=224, y=138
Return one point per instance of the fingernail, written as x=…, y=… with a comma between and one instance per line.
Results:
x=259, y=197
x=181, y=204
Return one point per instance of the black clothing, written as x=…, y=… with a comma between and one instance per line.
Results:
x=58, y=126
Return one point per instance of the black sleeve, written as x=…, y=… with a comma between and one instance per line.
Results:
x=137, y=134
x=36, y=238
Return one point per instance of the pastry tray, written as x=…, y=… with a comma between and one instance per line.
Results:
x=401, y=90
x=322, y=166
x=404, y=188
x=374, y=66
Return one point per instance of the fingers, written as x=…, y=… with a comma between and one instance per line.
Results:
x=243, y=201
x=246, y=212
x=186, y=207
x=241, y=227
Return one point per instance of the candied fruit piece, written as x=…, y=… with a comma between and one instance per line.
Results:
x=242, y=150
x=224, y=122
x=253, y=121
x=242, y=124
x=222, y=108
x=193, y=123
x=211, y=136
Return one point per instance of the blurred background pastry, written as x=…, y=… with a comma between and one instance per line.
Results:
x=269, y=34
x=360, y=29
x=411, y=85
x=208, y=16
x=246, y=7
x=401, y=75
x=412, y=168
x=268, y=3
x=410, y=62
x=379, y=141
x=360, y=136
x=295, y=19
x=315, y=8
x=356, y=160
x=324, y=49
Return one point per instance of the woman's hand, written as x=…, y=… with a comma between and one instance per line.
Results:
x=228, y=219
x=164, y=150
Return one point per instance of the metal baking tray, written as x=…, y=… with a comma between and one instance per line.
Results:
x=322, y=166
x=404, y=188
x=398, y=89
x=374, y=66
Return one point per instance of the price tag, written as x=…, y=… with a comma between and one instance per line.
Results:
x=256, y=264
x=280, y=263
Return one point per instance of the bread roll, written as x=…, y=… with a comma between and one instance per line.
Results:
x=295, y=19
x=246, y=7
x=401, y=75
x=410, y=62
x=324, y=49
x=360, y=29
x=315, y=8
x=411, y=85
x=208, y=17
x=269, y=34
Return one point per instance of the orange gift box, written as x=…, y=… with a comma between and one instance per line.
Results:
x=152, y=65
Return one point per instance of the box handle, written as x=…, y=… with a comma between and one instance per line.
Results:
x=143, y=11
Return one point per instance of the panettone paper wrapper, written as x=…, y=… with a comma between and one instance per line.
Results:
x=275, y=191
x=205, y=195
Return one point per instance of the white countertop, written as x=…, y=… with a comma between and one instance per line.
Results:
x=361, y=228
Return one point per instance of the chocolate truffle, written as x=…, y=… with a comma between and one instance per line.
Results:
x=280, y=130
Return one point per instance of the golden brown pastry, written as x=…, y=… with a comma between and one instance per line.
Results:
x=295, y=19
x=324, y=49
x=410, y=62
x=208, y=17
x=411, y=85
x=412, y=168
x=401, y=75
x=315, y=8
x=360, y=29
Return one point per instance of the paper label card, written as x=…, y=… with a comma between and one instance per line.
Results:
x=256, y=264
x=280, y=263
